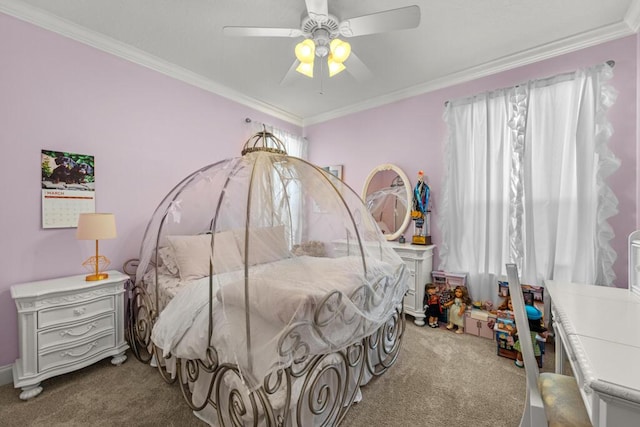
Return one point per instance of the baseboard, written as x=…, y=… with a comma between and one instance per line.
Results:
x=6, y=375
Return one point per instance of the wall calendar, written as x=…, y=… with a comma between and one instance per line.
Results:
x=68, y=188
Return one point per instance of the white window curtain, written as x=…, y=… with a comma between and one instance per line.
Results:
x=296, y=146
x=525, y=183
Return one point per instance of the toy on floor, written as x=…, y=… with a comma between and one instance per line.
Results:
x=457, y=307
x=538, y=334
x=434, y=309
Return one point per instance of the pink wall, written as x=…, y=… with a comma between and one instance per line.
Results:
x=411, y=133
x=146, y=131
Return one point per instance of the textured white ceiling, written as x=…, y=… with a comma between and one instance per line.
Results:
x=456, y=40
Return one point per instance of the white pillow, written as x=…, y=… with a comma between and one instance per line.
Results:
x=266, y=244
x=192, y=254
x=227, y=255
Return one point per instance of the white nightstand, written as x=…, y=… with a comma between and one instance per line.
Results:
x=66, y=324
x=419, y=260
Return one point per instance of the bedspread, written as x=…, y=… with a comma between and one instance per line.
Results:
x=285, y=299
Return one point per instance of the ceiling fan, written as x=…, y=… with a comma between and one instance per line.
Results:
x=321, y=32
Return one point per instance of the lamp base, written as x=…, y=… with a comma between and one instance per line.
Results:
x=96, y=277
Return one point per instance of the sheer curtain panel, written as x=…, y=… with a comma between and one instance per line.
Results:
x=525, y=182
x=291, y=196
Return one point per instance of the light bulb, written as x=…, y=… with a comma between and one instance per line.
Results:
x=305, y=50
x=340, y=50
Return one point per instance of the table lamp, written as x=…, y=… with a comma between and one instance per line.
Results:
x=96, y=226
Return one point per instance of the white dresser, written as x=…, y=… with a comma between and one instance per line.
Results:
x=66, y=324
x=419, y=261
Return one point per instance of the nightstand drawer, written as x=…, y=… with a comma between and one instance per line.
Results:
x=74, y=312
x=70, y=333
x=75, y=353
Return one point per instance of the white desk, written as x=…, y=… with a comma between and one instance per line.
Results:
x=598, y=329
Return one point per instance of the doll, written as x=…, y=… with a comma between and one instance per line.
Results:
x=538, y=333
x=433, y=305
x=506, y=304
x=457, y=307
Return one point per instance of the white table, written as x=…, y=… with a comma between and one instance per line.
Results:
x=598, y=330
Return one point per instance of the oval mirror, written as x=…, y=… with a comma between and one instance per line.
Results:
x=387, y=194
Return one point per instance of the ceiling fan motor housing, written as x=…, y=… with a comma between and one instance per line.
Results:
x=321, y=33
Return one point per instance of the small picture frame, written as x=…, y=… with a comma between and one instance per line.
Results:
x=335, y=170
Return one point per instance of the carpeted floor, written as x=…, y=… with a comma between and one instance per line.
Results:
x=440, y=378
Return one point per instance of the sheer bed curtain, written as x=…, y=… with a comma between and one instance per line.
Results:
x=525, y=183
x=292, y=199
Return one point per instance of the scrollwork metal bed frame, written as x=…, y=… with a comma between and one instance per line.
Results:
x=329, y=382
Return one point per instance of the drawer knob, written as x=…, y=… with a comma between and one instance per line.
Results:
x=79, y=311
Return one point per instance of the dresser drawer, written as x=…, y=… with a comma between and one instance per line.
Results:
x=74, y=312
x=71, y=333
x=75, y=353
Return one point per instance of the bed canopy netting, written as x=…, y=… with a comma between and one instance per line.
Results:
x=241, y=295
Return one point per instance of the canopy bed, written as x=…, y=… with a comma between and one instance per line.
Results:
x=242, y=300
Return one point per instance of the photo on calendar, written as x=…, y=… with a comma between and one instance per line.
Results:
x=68, y=187
x=67, y=171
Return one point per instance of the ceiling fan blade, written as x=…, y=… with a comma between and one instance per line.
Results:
x=261, y=32
x=389, y=20
x=318, y=10
x=357, y=68
x=288, y=78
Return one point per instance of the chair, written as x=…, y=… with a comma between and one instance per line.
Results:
x=552, y=399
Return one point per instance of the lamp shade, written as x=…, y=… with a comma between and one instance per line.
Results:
x=96, y=226
x=334, y=66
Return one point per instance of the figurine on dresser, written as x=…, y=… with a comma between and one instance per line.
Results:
x=419, y=212
x=457, y=306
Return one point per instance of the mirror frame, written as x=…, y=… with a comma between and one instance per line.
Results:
x=407, y=186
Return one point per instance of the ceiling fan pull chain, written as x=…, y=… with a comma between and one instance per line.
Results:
x=321, y=77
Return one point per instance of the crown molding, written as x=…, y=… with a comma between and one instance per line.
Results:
x=519, y=59
x=99, y=41
x=632, y=17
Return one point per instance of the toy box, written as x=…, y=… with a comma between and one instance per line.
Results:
x=504, y=327
x=531, y=293
x=445, y=280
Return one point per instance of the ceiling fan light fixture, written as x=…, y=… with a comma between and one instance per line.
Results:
x=306, y=68
x=305, y=51
x=335, y=67
x=340, y=50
